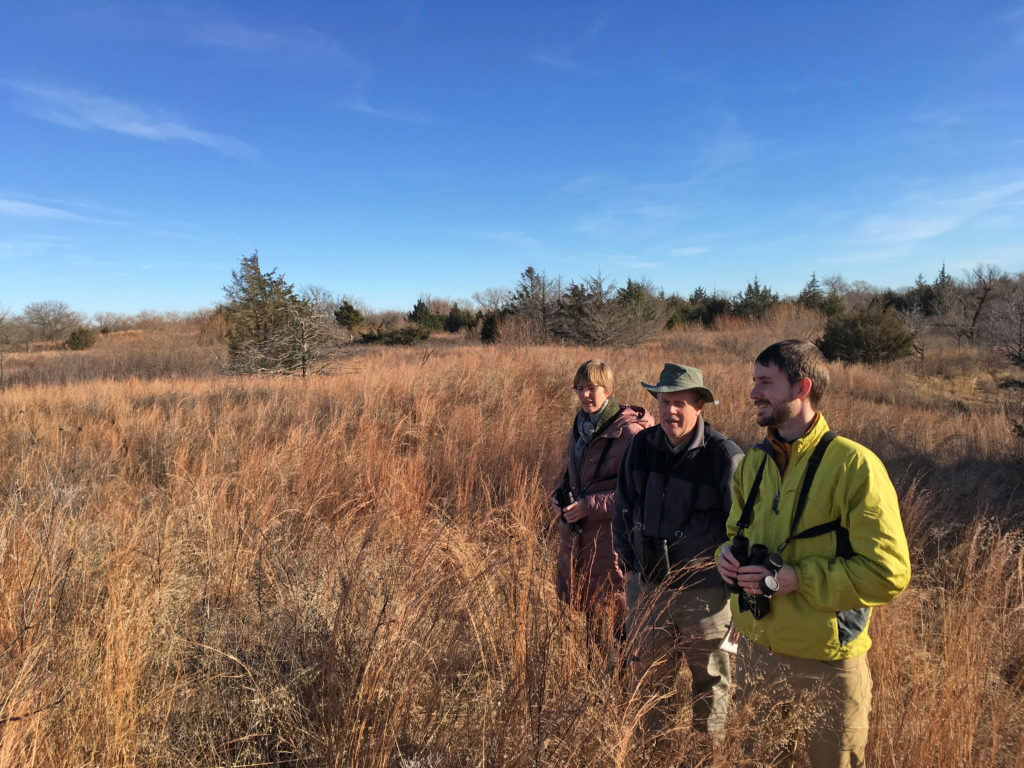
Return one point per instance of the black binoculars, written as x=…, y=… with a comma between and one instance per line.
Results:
x=564, y=498
x=652, y=557
x=758, y=554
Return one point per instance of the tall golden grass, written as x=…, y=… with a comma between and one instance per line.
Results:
x=356, y=569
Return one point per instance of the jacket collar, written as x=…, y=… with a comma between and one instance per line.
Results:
x=609, y=413
x=611, y=410
x=695, y=440
x=801, y=445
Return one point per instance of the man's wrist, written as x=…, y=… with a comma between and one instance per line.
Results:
x=789, y=582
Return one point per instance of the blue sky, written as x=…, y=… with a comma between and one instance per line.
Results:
x=388, y=150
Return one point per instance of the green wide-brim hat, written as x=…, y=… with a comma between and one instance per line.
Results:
x=678, y=378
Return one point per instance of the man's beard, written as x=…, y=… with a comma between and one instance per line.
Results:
x=774, y=415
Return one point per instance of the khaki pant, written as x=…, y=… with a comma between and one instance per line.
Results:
x=838, y=736
x=674, y=626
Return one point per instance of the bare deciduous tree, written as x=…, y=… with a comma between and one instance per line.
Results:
x=492, y=300
x=1009, y=313
x=321, y=301
x=835, y=284
x=111, y=321
x=52, y=320
x=966, y=307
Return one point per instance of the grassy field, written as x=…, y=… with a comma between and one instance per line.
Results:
x=357, y=569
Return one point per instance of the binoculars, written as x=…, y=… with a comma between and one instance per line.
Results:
x=564, y=498
x=758, y=554
x=652, y=557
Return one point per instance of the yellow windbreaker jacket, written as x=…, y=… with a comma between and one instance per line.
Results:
x=827, y=617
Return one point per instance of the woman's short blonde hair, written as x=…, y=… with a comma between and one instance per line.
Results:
x=595, y=373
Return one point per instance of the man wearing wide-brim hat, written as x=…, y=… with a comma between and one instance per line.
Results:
x=671, y=503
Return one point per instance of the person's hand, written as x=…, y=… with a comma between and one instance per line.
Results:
x=575, y=512
x=727, y=565
x=749, y=577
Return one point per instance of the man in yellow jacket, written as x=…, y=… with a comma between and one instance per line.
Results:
x=816, y=541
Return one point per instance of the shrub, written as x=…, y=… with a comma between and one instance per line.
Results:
x=80, y=338
x=755, y=301
x=457, y=319
x=873, y=335
x=701, y=307
x=490, y=330
x=348, y=316
x=424, y=316
x=407, y=335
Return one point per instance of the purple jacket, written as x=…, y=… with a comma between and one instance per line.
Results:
x=587, y=567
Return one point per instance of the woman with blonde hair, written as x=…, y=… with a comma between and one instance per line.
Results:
x=589, y=577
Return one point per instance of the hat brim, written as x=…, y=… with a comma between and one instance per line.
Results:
x=704, y=392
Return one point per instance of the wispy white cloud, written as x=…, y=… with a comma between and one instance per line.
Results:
x=588, y=183
x=622, y=206
x=357, y=103
x=922, y=217
x=90, y=112
x=1015, y=19
x=512, y=237
x=658, y=211
x=231, y=34
x=564, y=56
x=941, y=118
x=688, y=251
x=555, y=61
x=303, y=41
x=615, y=207
x=307, y=43
x=901, y=229
x=509, y=237
x=22, y=209
x=626, y=216
x=33, y=245
x=729, y=145
x=81, y=209
x=24, y=206
x=989, y=196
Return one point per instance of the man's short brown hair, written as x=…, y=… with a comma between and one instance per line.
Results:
x=595, y=373
x=799, y=360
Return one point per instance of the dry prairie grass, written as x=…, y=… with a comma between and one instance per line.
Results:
x=169, y=350
x=357, y=569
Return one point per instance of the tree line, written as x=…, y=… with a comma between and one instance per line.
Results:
x=270, y=326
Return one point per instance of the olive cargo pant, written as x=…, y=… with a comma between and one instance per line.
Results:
x=673, y=626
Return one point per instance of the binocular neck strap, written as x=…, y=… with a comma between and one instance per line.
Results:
x=748, y=505
x=812, y=468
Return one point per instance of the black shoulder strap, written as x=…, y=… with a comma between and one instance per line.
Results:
x=748, y=505
x=843, y=546
x=812, y=468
